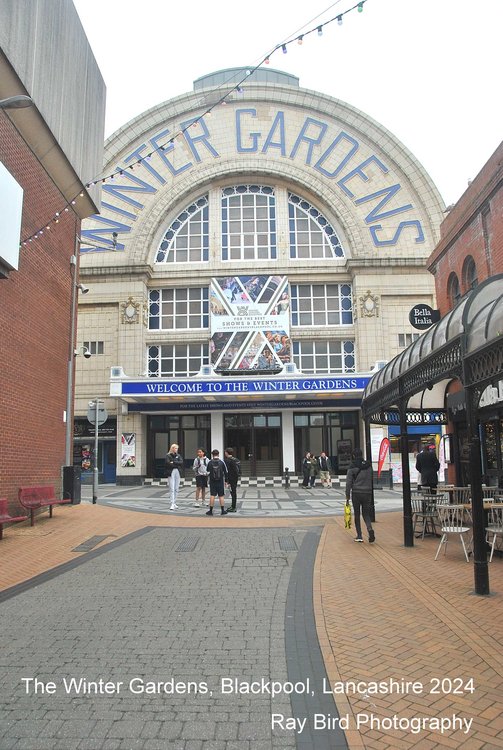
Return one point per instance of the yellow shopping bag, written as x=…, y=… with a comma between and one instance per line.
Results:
x=347, y=515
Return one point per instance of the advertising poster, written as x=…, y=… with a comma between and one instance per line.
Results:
x=250, y=323
x=128, y=453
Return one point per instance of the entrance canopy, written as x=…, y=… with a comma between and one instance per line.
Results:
x=466, y=344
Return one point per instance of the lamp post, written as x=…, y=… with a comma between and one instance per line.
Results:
x=20, y=101
x=72, y=352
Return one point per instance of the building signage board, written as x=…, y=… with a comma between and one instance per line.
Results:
x=423, y=316
x=250, y=323
x=233, y=387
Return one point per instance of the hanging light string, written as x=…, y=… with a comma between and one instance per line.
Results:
x=237, y=87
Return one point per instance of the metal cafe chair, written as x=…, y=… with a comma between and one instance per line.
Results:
x=494, y=528
x=424, y=512
x=451, y=519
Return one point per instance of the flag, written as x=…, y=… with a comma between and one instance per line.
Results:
x=383, y=449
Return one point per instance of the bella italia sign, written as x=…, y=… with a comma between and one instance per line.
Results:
x=423, y=317
x=339, y=156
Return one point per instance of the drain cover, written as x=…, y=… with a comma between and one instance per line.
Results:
x=188, y=544
x=287, y=544
x=90, y=543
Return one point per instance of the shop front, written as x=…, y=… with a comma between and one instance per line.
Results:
x=270, y=422
x=83, y=450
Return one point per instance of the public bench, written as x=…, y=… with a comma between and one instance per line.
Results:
x=33, y=498
x=5, y=516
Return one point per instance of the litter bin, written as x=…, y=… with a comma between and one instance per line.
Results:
x=71, y=484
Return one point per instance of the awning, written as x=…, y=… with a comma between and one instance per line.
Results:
x=467, y=344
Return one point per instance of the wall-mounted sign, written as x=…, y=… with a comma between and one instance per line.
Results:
x=423, y=316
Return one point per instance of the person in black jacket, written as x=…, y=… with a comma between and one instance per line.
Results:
x=359, y=488
x=427, y=465
x=233, y=473
x=174, y=463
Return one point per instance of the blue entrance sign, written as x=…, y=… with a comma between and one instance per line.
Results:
x=196, y=387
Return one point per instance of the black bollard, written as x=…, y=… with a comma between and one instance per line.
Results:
x=286, y=477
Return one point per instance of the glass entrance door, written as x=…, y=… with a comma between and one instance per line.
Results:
x=256, y=440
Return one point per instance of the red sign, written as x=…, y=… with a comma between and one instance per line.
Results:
x=383, y=449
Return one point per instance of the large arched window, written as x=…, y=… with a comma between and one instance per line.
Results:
x=470, y=279
x=453, y=289
x=311, y=234
x=187, y=239
x=248, y=223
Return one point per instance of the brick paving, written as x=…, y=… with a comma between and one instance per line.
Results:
x=382, y=612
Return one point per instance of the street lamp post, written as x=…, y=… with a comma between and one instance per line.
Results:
x=20, y=101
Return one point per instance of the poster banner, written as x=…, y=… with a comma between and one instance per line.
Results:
x=250, y=323
x=383, y=450
x=128, y=451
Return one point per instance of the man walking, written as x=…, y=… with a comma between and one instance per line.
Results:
x=359, y=488
x=200, y=467
x=217, y=472
x=325, y=469
x=427, y=465
x=233, y=474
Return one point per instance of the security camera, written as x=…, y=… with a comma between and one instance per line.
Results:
x=83, y=289
x=87, y=354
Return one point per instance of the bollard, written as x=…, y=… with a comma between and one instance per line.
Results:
x=286, y=477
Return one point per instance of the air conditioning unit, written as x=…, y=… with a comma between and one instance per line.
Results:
x=290, y=368
x=206, y=371
x=116, y=372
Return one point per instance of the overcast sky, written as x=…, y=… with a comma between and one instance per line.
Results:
x=428, y=70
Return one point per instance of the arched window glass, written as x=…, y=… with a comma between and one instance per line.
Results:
x=311, y=234
x=470, y=273
x=187, y=239
x=248, y=223
x=453, y=289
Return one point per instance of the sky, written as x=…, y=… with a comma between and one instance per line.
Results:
x=428, y=70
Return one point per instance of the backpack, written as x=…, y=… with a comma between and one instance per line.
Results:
x=238, y=466
x=216, y=469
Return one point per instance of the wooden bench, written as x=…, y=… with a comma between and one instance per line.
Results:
x=5, y=516
x=32, y=498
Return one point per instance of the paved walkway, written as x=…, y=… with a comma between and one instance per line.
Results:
x=253, y=502
x=159, y=597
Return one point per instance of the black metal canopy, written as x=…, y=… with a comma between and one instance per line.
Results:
x=466, y=344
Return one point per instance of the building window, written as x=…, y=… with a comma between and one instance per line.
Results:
x=173, y=309
x=176, y=360
x=248, y=223
x=321, y=304
x=94, y=347
x=406, y=339
x=187, y=239
x=324, y=356
x=453, y=289
x=311, y=235
x=470, y=279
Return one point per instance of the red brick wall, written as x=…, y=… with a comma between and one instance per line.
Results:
x=473, y=227
x=35, y=330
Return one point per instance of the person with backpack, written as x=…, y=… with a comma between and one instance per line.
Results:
x=200, y=467
x=217, y=472
x=359, y=488
x=174, y=463
x=233, y=473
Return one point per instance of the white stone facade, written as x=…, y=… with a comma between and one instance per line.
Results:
x=377, y=197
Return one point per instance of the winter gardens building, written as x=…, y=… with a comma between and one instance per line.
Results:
x=249, y=267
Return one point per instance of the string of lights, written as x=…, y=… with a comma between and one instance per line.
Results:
x=236, y=87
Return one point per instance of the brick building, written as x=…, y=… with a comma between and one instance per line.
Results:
x=470, y=251
x=48, y=152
